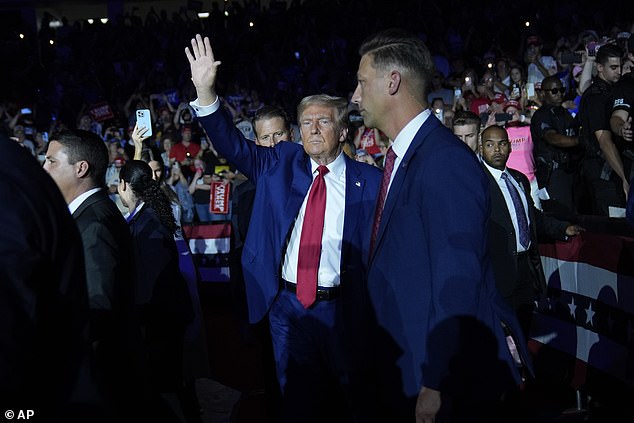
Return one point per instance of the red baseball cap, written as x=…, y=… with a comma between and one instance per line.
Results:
x=499, y=98
x=512, y=103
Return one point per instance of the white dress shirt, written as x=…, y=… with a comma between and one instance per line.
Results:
x=79, y=200
x=497, y=175
x=332, y=238
x=404, y=139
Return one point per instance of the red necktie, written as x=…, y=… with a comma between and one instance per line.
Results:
x=385, y=182
x=310, y=241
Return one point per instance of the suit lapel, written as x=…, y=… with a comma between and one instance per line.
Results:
x=300, y=184
x=393, y=194
x=498, y=202
x=355, y=185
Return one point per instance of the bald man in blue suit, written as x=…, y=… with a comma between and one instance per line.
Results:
x=314, y=344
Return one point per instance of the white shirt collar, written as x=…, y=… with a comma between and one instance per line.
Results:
x=497, y=174
x=79, y=200
x=128, y=216
x=404, y=138
x=336, y=167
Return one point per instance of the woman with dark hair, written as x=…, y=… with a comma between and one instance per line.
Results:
x=161, y=297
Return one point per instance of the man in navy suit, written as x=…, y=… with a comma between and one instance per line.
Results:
x=441, y=340
x=313, y=342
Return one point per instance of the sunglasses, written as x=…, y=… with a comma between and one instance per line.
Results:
x=555, y=91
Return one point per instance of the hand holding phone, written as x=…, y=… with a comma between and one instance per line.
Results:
x=144, y=120
x=503, y=117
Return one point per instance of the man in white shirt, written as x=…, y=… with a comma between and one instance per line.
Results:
x=317, y=337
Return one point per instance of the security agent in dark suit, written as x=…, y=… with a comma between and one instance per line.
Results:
x=43, y=300
x=316, y=344
x=77, y=162
x=518, y=270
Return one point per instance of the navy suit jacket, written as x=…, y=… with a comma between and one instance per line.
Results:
x=430, y=281
x=283, y=177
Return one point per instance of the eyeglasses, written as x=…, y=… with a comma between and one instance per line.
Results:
x=555, y=91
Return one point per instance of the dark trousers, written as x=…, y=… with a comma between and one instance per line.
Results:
x=310, y=358
x=523, y=298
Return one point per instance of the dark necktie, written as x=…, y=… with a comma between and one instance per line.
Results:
x=385, y=182
x=522, y=221
x=310, y=241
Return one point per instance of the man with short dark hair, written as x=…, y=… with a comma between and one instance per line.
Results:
x=43, y=300
x=556, y=150
x=602, y=168
x=77, y=162
x=466, y=126
x=516, y=262
x=271, y=125
x=621, y=117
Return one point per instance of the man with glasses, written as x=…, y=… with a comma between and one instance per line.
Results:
x=603, y=173
x=556, y=150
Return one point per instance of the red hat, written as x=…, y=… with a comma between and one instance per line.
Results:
x=534, y=40
x=499, y=98
x=512, y=103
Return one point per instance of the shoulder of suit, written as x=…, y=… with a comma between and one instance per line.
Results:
x=363, y=168
x=517, y=175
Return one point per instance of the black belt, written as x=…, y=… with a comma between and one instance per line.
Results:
x=323, y=293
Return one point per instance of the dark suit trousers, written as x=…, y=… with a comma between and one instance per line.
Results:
x=524, y=294
x=309, y=356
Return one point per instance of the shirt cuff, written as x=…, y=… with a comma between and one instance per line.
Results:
x=205, y=110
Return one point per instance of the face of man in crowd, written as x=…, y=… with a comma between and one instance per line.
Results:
x=62, y=172
x=495, y=147
x=367, y=95
x=157, y=169
x=611, y=71
x=553, y=93
x=468, y=134
x=321, y=138
x=186, y=135
x=271, y=131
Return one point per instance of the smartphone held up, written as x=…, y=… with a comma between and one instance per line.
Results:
x=144, y=120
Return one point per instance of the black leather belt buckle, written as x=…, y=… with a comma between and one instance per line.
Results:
x=323, y=293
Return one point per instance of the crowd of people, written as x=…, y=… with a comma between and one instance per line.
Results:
x=461, y=154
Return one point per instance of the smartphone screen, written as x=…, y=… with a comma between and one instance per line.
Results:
x=143, y=120
x=457, y=93
x=503, y=117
